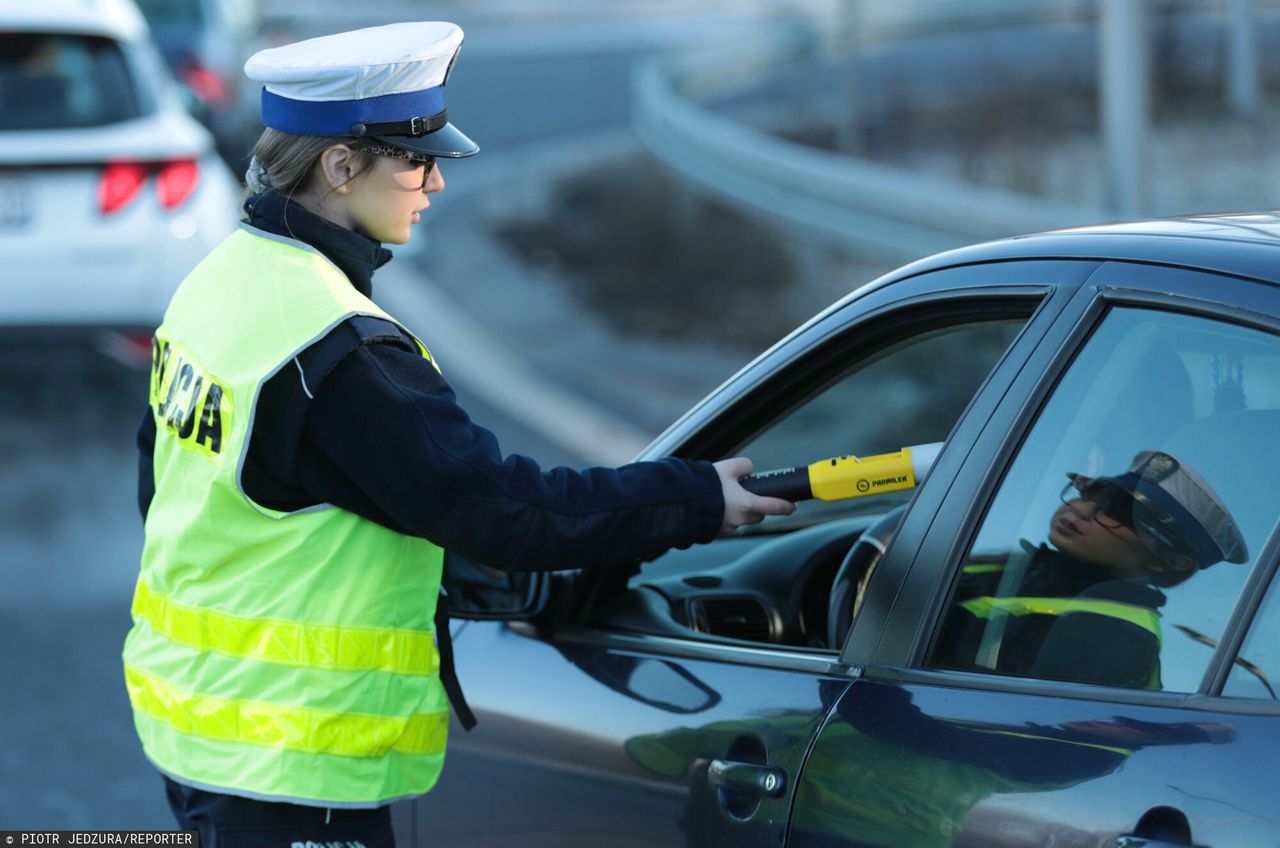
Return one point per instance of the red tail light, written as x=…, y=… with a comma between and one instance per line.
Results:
x=206, y=85
x=121, y=182
x=176, y=181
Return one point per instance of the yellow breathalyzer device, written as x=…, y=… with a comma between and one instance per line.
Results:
x=842, y=477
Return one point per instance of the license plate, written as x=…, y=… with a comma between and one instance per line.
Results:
x=15, y=203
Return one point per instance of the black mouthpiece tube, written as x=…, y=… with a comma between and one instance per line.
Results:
x=790, y=484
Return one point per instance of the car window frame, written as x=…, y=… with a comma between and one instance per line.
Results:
x=1038, y=289
x=1246, y=614
x=918, y=612
x=152, y=82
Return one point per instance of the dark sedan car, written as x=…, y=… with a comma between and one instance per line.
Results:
x=1064, y=635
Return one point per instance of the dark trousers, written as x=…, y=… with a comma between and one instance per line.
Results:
x=229, y=821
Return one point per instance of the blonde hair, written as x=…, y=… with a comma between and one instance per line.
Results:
x=286, y=162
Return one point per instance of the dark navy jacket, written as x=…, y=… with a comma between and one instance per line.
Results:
x=1083, y=646
x=363, y=422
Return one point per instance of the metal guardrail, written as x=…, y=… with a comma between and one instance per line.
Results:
x=878, y=211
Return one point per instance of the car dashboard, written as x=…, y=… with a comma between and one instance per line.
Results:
x=759, y=587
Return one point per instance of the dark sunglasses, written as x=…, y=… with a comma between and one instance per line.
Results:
x=1112, y=505
x=400, y=153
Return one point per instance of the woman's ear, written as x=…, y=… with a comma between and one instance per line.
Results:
x=336, y=164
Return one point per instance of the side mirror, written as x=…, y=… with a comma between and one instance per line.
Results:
x=479, y=593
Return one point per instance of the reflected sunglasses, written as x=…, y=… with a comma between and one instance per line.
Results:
x=1112, y=505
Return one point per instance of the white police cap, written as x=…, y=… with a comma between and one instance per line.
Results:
x=385, y=83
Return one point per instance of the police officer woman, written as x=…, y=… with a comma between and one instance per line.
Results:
x=304, y=466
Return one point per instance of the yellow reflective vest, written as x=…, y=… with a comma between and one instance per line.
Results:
x=281, y=656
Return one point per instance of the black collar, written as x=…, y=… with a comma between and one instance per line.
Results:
x=1071, y=577
x=356, y=255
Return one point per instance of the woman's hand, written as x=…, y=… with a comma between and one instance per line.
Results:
x=740, y=506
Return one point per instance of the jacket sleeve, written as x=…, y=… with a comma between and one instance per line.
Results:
x=384, y=434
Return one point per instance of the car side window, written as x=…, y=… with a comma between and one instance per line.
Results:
x=1117, y=545
x=908, y=393
x=774, y=583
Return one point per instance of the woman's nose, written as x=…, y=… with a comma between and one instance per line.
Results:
x=434, y=181
x=1083, y=507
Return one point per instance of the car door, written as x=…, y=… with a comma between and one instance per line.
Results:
x=1056, y=670
x=671, y=703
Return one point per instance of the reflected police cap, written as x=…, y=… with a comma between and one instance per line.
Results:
x=1176, y=512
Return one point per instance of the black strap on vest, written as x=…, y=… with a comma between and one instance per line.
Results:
x=448, y=671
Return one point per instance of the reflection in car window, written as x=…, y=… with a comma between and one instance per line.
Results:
x=1117, y=546
x=910, y=393
x=59, y=81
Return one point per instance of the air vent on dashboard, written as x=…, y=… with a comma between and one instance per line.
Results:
x=704, y=581
x=737, y=618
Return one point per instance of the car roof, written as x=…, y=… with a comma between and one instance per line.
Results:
x=118, y=19
x=1240, y=244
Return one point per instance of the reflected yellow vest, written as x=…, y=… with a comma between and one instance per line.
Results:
x=284, y=656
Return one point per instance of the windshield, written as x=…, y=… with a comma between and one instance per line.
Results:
x=60, y=81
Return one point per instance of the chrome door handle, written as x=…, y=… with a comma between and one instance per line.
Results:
x=748, y=778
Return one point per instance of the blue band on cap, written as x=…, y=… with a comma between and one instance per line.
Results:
x=1203, y=547
x=335, y=117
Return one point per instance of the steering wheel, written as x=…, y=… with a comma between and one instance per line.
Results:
x=850, y=586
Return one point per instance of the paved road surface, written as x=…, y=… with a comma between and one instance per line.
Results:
x=69, y=541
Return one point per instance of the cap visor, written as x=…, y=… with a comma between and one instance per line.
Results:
x=448, y=141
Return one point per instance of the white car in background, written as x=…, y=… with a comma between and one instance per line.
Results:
x=110, y=192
